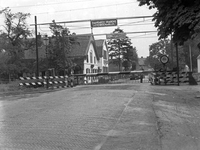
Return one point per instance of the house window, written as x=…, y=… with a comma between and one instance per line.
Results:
x=91, y=57
x=94, y=59
x=87, y=59
x=105, y=69
x=105, y=54
x=87, y=70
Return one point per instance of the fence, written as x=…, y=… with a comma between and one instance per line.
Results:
x=169, y=77
x=196, y=76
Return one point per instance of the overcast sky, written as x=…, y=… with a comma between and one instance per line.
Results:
x=73, y=10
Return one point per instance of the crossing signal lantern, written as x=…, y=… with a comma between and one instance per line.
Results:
x=164, y=59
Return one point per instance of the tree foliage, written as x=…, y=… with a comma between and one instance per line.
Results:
x=60, y=45
x=164, y=47
x=121, y=51
x=178, y=17
x=191, y=52
x=156, y=50
x=130, y=58
x=15, y=26
x=13, y=39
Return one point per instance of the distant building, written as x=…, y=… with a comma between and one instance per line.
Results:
x=88, y=55
x=198, y=64
x=102, y=51
x=141, y=64
x=84, y=54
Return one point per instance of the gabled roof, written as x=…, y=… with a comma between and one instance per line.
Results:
x=99, y=45
x=82, y=47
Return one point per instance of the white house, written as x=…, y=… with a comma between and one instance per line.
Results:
x=85, y=56
x=102, y=51
x=198, y=64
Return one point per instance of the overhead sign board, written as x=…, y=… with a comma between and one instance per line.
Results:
x=116, y=36
x=103, y=23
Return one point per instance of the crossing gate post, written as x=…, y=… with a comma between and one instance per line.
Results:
x=192, y=81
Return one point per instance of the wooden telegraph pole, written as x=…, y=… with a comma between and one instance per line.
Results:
x=36, y=44
x=177, y=63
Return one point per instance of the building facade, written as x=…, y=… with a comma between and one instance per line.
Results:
x=88, y=55
x=102, y=51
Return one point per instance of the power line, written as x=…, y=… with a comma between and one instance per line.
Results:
x=52, y=4
x=88, y=20
x=88, y=8
x=129, y=23
x=143, y=37
x=101, y=34
x=84, y=27
x=136, y=32
x=49, y=4
x=137, y=24
x=124, y=24
x=138, y=36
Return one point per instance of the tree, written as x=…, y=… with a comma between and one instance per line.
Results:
x=164, y=47
x=156, y=50
x=12, y=39
x=178, y=17
x=121, y=52
x=130, y=58
x=191, y=52
x=15, y=26
x=60, y=46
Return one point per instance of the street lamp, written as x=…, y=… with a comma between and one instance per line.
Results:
x=46, y=43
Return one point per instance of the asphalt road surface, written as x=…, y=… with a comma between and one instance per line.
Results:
x=103, y=117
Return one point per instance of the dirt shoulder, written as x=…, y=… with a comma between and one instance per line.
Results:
x=13, y=91
x=178, y=116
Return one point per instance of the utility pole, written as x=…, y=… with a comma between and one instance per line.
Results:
x=63, y=48
x=36, y=44
x=190, y=51
x=172, y=52
x=46, y=43
x=177, y=62
x=119, y=56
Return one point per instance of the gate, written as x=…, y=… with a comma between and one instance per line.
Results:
x=112, y=77
x=154, y=77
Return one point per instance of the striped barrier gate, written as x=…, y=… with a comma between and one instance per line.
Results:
x=167, y=77
x=108, y=76
x=51, y=81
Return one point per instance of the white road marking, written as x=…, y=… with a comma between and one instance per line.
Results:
x=110, y=133
x=161, y=94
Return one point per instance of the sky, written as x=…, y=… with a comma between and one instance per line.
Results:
x=76, y=10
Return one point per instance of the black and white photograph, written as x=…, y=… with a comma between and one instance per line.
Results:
x=99, y=75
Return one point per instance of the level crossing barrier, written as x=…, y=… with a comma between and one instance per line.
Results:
x=108, y=77
x=170, y=77
x=155, y=77
x=45, y=81
x=197, y=76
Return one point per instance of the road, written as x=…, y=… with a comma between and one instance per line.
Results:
x=103, y=117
